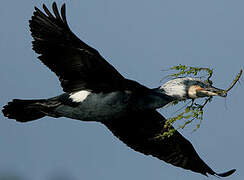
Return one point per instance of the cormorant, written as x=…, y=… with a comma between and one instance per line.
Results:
x=96, y=91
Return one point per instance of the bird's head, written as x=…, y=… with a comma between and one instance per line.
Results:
x=190, y=88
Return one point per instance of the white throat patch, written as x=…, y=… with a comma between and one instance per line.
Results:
x=174, y=90
x=176, y=87
x=79, y=96
x=181, y=87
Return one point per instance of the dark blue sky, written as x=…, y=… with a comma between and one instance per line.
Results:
x=140, y=38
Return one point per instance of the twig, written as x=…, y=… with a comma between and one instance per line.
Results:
x=234, y=81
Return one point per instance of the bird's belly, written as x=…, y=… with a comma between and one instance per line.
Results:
x=98, y=107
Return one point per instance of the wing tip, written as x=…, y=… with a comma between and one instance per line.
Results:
x=63, y=13
x=55, y=10
x=48, y=18
x=225, y=174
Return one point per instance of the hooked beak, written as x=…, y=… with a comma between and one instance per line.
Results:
x=212, y=91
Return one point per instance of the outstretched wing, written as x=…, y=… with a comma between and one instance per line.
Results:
x=77, y=65
x=138, y=131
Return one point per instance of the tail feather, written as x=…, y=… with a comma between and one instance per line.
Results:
x=25, y=110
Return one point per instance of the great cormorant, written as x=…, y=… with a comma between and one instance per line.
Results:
x=96, y=91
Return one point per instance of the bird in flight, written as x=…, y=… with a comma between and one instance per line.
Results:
x=95, y=91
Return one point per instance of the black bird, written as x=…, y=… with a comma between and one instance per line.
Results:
x=96, y=91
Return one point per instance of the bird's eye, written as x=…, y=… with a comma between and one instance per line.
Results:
x=203, y=85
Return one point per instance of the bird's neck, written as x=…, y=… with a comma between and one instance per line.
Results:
x=154, y=99
x=176, y=91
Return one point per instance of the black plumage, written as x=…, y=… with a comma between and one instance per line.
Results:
x=77, y=65
x=139, y=129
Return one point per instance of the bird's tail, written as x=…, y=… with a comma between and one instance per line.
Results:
x=27, y=110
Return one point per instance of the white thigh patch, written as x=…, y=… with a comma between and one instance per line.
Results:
x=79, y=96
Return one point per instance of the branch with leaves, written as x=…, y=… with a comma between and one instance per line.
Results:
x=195, y=110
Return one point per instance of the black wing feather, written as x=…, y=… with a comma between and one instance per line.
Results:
x=77, y=65
x=138, y=131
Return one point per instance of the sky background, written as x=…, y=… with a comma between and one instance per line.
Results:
x=140, y=38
